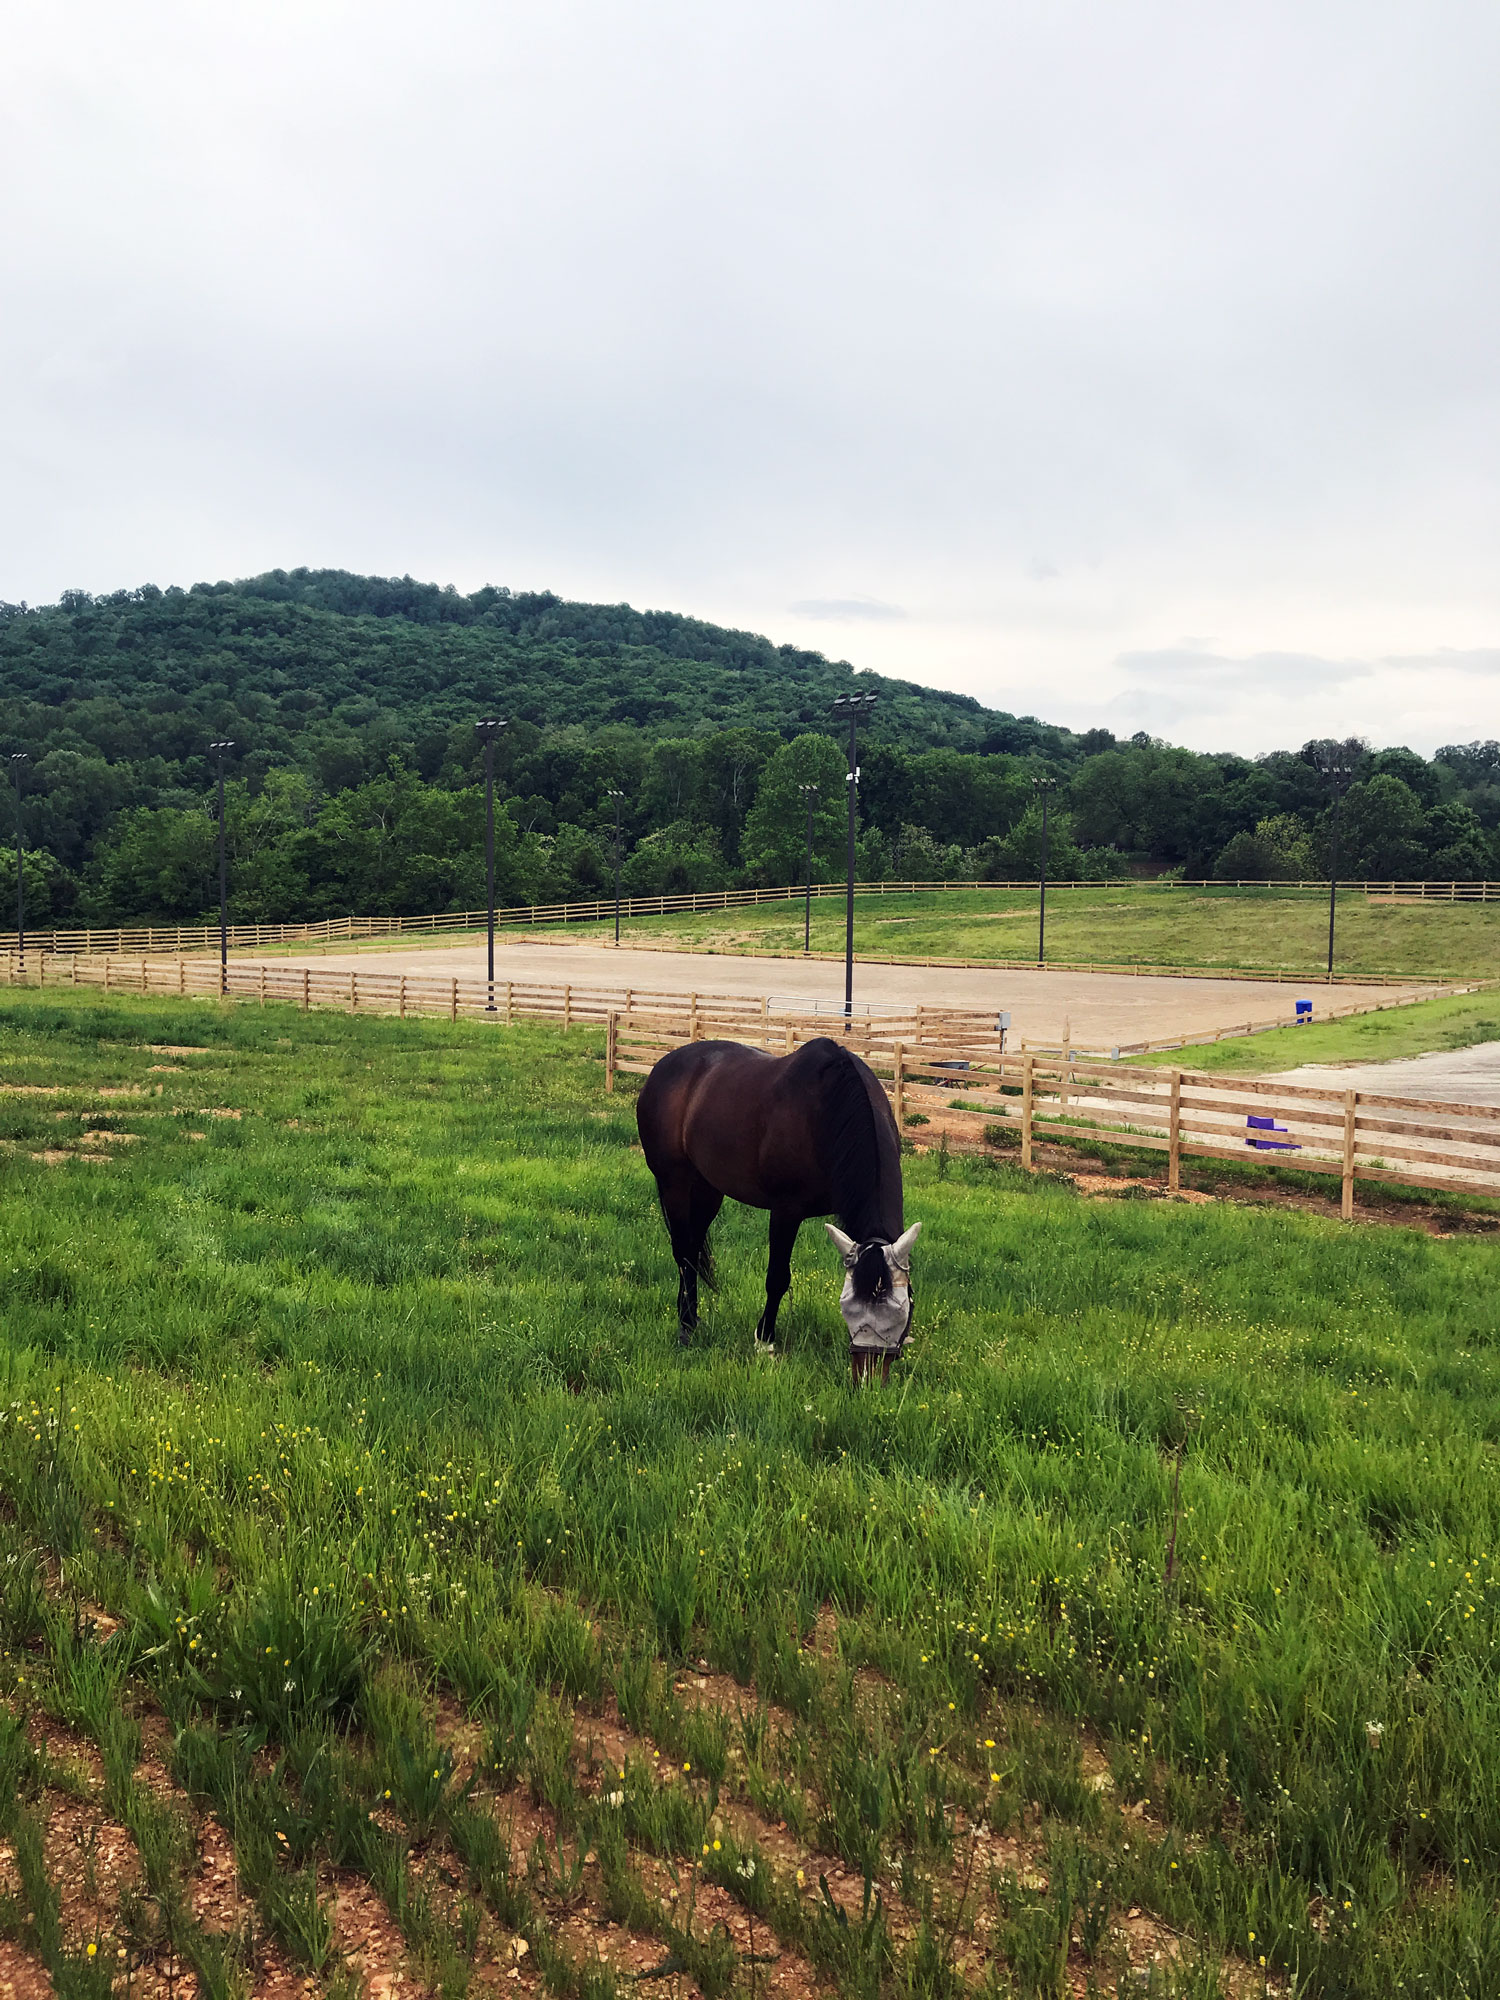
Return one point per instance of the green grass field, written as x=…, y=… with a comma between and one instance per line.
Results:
x=1121, y=925
x=348, y=1385
x=1425, y=1028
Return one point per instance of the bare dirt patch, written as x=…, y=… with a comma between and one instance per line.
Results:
x=1114, y=1184
x=21, y=1978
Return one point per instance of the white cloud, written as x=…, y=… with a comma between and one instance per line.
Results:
x=1067, y=329
x=854, y=610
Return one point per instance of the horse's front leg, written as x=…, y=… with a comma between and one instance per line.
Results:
x=687, y=1298
x=784, y=1227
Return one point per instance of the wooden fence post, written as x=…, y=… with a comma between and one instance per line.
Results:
x=567, y=1008
x=1174, y=1135
x=106, y=974
x=786, y=1037
x=1346, y=1204
x=401, y=1003
x=693, y=1017
x=353, y=992
x=611, y=1044
x=143, y=976
x=263, y=982
x=1027, y=1085
x=306, y=989
x=509, y=1010
x=453, y=1008
x=898, y=1091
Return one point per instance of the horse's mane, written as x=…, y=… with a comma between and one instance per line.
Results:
x=850, y=1135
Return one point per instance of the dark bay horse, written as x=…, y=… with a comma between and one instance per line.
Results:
x=806, y=1134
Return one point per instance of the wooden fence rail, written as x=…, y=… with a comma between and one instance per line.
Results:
x=357, y=989
x=178, y=939
x=981, y=1097
x=948, y=1068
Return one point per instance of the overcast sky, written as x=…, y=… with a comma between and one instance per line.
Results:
x=1134, y=364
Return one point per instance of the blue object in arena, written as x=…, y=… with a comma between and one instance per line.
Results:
x=1304, y=1011
x=1270, y=1145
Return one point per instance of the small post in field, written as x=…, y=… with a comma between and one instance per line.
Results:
x=306, y=989
x=1028, y=1068
x=1174, y=1135
x=453, y=1003
x=567, y=1008
x=401, y=1003
x=1346, y=1204
x=262, y=982
x=611, y=1048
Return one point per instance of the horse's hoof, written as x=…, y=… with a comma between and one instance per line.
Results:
x=766, y=1350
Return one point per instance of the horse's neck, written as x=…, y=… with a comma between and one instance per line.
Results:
x=879, y=1214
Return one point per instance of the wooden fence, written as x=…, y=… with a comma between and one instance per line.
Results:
x=358, y=990
x=175, y=940
x=979, y=1098
x=947, y=1067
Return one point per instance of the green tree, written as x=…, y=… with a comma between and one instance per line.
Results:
x=1382, y=831
x=1278, y=850
x=774, y=844
x=1017, y=856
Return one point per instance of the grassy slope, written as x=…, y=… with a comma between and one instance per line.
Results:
x=408, y=1319
x=1122, y=926
x=1429, y=1026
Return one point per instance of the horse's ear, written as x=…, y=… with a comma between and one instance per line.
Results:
x=845, y=1245
x=901, y=1248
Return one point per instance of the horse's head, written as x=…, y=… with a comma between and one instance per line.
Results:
x=876, y=1300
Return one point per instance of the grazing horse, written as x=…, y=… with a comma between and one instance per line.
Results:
x=806, y=1134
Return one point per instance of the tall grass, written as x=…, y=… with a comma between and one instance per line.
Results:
x=383, y=1370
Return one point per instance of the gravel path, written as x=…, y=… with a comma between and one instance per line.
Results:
x=1456, y=1076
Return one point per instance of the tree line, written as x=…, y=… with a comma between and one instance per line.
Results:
x=355, y=785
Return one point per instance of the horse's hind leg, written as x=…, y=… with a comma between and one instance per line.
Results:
x=689, y=1205
x=784, y=1227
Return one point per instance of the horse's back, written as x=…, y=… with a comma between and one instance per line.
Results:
x=677, y=1084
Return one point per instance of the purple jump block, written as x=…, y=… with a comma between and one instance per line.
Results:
x=1270, y=1145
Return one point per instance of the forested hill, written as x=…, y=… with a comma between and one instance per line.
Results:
x=354, y=780
x=331, y=670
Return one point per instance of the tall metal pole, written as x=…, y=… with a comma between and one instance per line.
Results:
x=854, y=706
x=617, y=795
x=1046, y=786
x=219, y=747
x=488, y=731
x=1333, y=870
x=1336, y=762
x=810, y=794
x=19, y=758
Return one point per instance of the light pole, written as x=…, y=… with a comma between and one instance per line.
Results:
x=17, y=761
x=1044, y=788
x=853, y=706
x=219, y=748
x=618, y=796
x=488, y=733
x=1336, y=762
x=810, y=794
